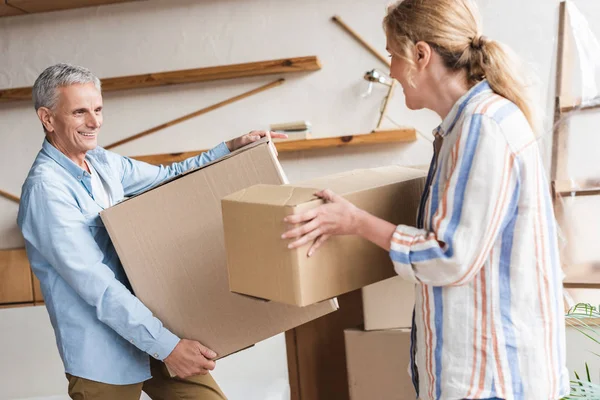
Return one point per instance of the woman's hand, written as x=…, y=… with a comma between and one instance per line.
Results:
x=336, y=217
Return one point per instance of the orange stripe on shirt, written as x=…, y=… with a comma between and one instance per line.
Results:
x=427, y=321
x=501, y=383
x=484, y=340
x=475, y=352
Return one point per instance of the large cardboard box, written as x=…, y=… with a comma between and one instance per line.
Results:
x=378, y=363
x=388, y=304
x=170, y=241
x=261, y=265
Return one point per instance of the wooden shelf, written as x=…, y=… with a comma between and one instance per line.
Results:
x=567, y=188
x=8, y=11
x=577, y=106
x=381, y=137
x=582, y=276
x=259, y=68
x=15, y=277
x=36, y=6
x=582, y=322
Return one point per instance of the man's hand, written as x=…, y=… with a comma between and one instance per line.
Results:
x=190, y=358
x=252, y=137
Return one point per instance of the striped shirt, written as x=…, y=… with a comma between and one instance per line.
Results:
x=488, y=312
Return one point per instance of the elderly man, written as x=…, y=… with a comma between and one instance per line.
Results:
x=103, y=332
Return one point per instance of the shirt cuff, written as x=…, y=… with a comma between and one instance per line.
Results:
x=219, y=151
x=164, y=345
x=402, y=241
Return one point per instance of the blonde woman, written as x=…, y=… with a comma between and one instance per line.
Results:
x=488, y=320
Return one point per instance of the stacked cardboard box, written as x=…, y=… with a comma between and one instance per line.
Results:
x=378, y=364
x=378, y=354
x=261, y=265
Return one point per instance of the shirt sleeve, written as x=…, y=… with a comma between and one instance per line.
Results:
x=480, y=192
x=53, y=224
x=138, y=176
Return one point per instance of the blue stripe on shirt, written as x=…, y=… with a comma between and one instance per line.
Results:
x=463, y=178
x=510, y=338
x=439, y=335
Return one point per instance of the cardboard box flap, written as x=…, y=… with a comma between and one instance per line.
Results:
x=274, y=195
x=362, y=179
x=218, y=160
x=344, y=183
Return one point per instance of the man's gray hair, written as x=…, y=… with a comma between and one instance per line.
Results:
x=45, y=93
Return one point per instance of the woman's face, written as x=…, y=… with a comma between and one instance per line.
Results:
x=401, y=71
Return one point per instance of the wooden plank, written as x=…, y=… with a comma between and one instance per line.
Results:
x=38, y=298
x=360, y=40
x=280, y=66
x=8, y=11
x=16, y=305
x=15, y=278
x=291, y=346
x=568, y=188
x=381, y=137
x=588, y=321
x=563, y=80
x=9, y=196
x=36, y=6
x=565, y=60
x=197, y=113
x=386, y=104
x=320, y=352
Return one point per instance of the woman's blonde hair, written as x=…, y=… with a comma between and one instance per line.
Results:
x=453, y=29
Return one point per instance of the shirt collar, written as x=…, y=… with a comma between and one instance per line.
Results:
x=63, y=160
x=448, y=123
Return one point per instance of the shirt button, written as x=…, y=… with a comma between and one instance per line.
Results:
x=155, y=355
x=79, y=177
x=131, y=341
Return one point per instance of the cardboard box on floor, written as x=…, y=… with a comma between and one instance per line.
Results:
x=170, y=241
x=378, y=363
x=261, y=265
x=388, y=304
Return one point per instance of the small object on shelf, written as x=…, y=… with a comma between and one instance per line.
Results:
x=293, y=136
x=298, y=130
x=292, y=126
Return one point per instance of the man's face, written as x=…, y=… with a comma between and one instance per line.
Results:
x=75, y=122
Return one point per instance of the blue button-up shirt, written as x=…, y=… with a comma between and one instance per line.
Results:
x=103, y=332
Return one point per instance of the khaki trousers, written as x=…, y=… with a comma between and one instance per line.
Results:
x=160, y=387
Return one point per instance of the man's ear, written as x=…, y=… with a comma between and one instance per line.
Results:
x=422, y=54
x=45, y=116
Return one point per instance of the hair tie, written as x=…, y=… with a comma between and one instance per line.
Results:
x=478, y=42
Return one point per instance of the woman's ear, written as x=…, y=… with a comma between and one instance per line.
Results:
x=422, y=55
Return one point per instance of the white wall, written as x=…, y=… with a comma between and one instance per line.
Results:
x=154, y=36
